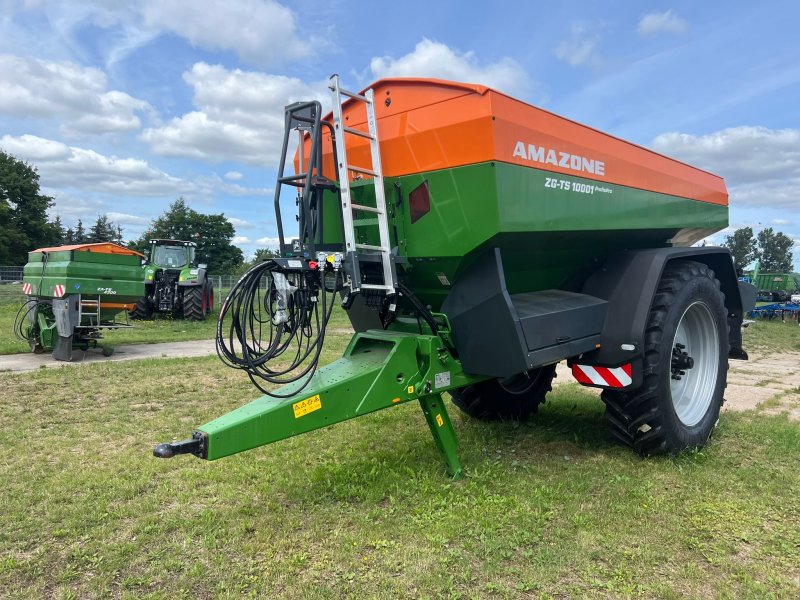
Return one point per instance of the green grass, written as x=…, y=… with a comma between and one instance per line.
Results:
x=772, y=336
x=552, y=508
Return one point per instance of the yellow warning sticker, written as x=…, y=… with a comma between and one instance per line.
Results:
x=439, y=420
x=411, y=389
x=306, y=406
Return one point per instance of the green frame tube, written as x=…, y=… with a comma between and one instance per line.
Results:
x=379, y=369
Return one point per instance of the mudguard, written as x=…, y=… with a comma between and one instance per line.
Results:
x=628, y=281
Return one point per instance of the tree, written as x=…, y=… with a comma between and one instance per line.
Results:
x=774, y=251
x=23, y=212
x=742, y=245
x=103, y=230
x=58, y=230
x=80, y=233
x=212, y=233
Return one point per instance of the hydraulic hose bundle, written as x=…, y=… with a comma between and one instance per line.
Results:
x=272, y=324
x=25, y=317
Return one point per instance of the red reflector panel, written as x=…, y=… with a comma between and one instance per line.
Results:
x=420, y=201
x=618, y=377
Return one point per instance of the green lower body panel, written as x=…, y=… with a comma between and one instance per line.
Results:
x=379, y=369
x=548, y=226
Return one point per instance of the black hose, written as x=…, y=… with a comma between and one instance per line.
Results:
x=421, y=309
x=30, y=306
x=255, y=330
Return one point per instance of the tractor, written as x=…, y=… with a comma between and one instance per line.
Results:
x=174, y=282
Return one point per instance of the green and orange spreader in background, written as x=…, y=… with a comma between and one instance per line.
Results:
x=75, y=292
x=475, y=241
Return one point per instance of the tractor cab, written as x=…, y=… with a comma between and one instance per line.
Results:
x=171, y=254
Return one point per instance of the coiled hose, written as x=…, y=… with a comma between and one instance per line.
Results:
x=272, y=325
x=21, y=319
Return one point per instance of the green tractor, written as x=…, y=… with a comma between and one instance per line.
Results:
x=174, y=282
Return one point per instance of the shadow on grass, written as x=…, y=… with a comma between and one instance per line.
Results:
x=392, y=452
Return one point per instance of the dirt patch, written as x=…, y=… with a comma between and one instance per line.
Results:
x=772, y=380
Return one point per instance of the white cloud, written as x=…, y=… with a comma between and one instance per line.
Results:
x=233, y=175
x=77, y=95
x=655, y=23
x=745, y=154
x=63, y=166
x=240, y=223
x=262, y=32
x=268, y=242
x=581, y=46
x=781, y=222
x=434, y=59
x=239, y=116
x=71, y=207
x=240, y=239
x=761, y=166
x=119, y=218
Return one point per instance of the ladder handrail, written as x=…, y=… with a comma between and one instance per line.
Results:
x=376, y=172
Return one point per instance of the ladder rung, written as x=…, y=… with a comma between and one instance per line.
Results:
x=375, y=286
x=362, y=170
x=367, y=208
x=358, y=132
x=353, y=95
x=369, y=247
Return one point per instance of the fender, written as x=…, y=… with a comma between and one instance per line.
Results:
x=628, y=281
x=201, y=279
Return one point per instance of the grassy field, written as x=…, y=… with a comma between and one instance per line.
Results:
x=551, y=508
x=772, y=336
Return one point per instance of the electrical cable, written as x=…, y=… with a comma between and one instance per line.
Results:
x=275, y=315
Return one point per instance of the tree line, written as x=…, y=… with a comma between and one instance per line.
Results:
x=25, y=226
x=772, y=250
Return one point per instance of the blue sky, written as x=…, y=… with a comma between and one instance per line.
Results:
x=125, y=106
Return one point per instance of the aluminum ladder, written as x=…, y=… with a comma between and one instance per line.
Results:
x=352, y=247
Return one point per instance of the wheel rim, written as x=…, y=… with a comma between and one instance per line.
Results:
x=694, y=363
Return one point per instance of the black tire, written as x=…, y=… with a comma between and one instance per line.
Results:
x=193, y=303
x=514, y=398
x=209, y=295
x=143, y=310
x=665, y=416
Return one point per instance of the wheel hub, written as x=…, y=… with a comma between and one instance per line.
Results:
x=681, y=361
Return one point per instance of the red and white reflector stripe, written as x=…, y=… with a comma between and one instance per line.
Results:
x=27, y=288
x=59, y=291
x=618, y=377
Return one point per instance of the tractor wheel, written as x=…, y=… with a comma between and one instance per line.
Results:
x=208, y=299
x=515, y=397
x=685, y=366
x=143, y=310
x=193, y=303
